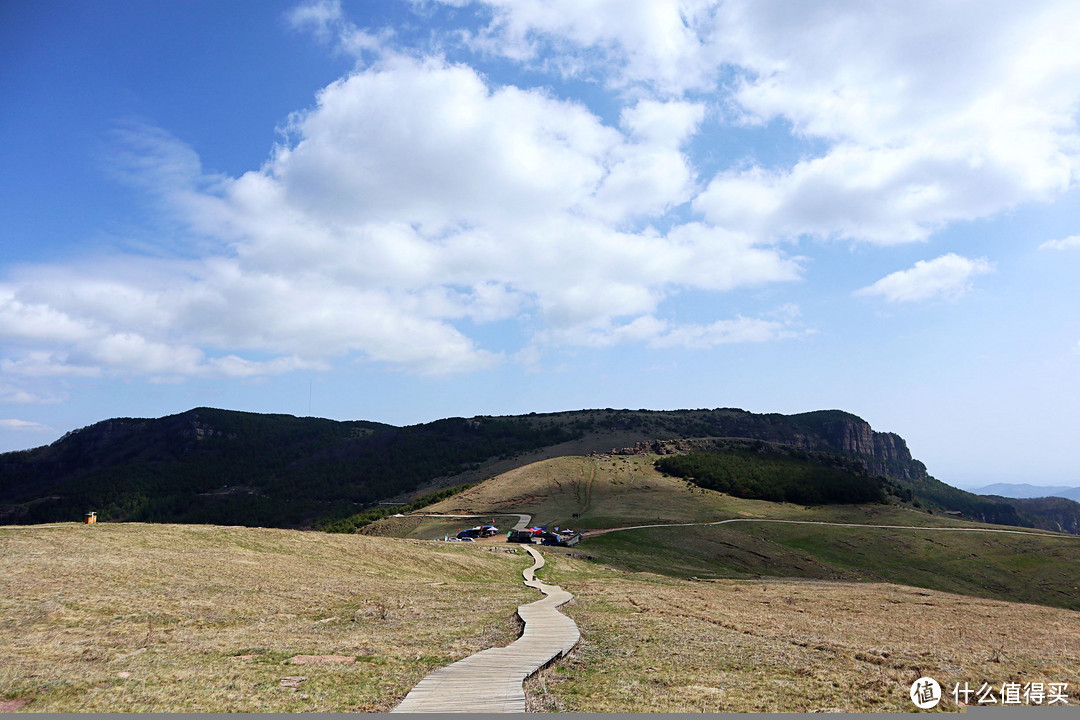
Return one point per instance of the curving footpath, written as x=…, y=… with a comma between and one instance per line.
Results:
x=490, y=680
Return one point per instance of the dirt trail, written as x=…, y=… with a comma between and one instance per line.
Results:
x=594, y=533
x=588, y=489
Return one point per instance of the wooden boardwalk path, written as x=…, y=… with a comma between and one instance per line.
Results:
x=490, y=680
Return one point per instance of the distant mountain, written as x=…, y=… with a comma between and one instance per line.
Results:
x=234, y=468
x=1024, y=490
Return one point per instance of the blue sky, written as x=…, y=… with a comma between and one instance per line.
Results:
x=407, y=211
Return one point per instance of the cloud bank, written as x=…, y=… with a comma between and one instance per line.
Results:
x=417, y=200
x=412, y=197
x=932, y=114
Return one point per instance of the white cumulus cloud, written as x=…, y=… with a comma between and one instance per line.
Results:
x=326, y=21
x=948, y=276
x=661, y=43
x=417, y=198
x=1073, y=241
x=923, y=113
x=412, y=197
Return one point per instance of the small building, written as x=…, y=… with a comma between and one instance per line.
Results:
x=91, y=518
x=572, y=540
x=566, y=538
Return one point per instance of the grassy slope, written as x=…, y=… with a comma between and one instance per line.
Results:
x=622, y=491
x=603, y=493
x=627, y=490
x=78, y=604
x=1009, y=567
x=659, y=644
x=75, y=600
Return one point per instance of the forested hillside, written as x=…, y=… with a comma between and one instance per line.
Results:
x=759, y=471
x=223, y=467
x=236, y=468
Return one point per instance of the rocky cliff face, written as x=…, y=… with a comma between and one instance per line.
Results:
x=885, y=453
x=824, y=430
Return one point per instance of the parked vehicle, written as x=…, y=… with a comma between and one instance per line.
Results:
x=565, y=538
x=549, y=538
x=520, y=536
x=480, y=531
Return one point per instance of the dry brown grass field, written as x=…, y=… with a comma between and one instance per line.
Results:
x=666, y=644
x=167, y=618
x=602, y=493
x=656, y=644
x=116, y=618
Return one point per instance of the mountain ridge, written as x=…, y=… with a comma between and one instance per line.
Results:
x=230, y=467
x=1026, y=490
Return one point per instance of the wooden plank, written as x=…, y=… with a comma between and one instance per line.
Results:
x=491, y=680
